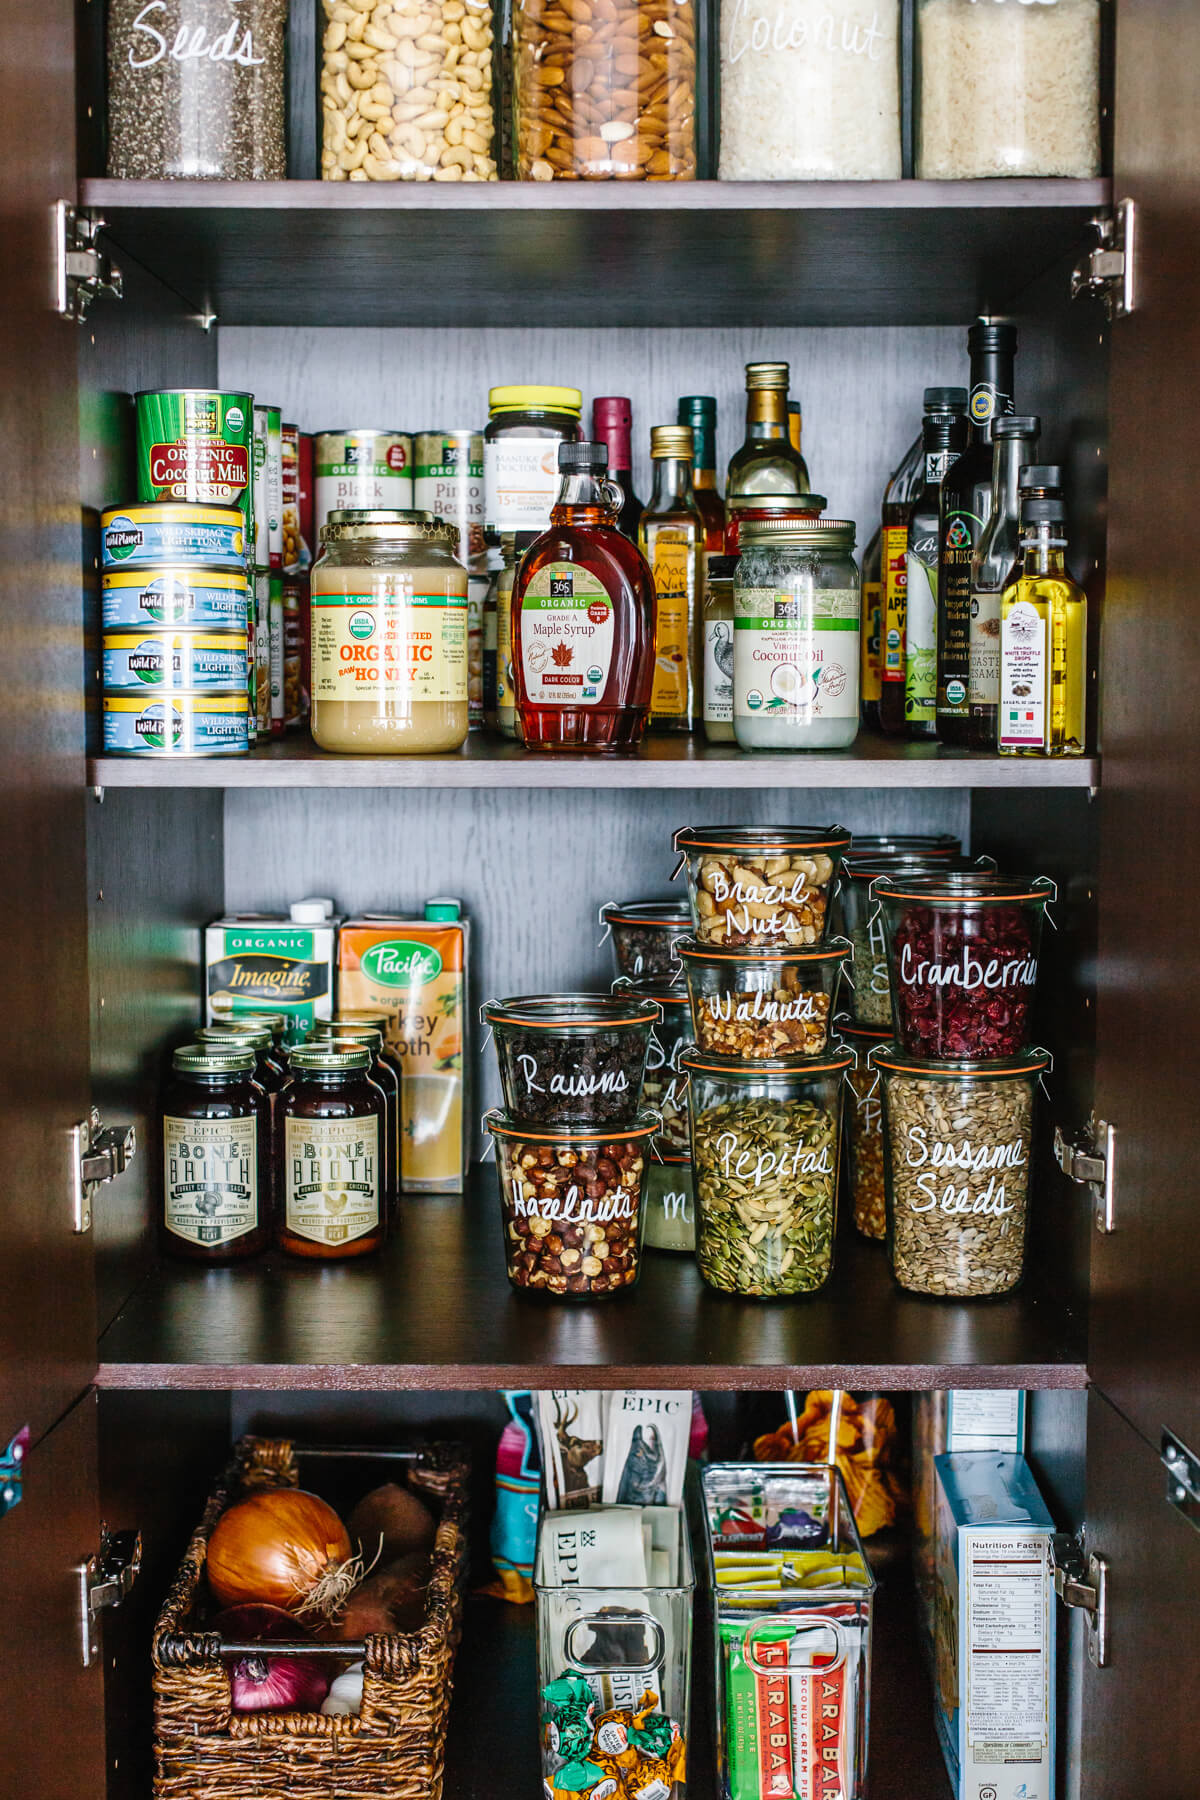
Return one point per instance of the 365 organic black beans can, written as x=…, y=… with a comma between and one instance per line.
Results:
x=197, y=444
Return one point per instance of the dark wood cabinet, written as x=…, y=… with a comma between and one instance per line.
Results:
x=132, y=1375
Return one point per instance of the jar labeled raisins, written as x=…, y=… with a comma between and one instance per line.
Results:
x=572, y=1059
x=333, y=1119
x=216, y=1156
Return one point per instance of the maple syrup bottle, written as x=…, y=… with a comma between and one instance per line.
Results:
x=583, y=618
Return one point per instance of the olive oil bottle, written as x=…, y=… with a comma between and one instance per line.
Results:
x=1043, y=634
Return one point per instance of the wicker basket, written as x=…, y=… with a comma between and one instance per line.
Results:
x=393, y=1749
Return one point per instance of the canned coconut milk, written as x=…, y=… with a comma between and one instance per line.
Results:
x=180, y=725
x=204, y=599
x=140, y=537
x=196, y=444
x=200, y=662
x=360, y=467
x=268, y=488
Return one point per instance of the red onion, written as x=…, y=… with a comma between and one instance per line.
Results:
x=266, y=1683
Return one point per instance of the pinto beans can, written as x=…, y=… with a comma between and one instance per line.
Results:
x=197, y=444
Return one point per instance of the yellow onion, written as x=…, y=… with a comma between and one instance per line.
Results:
x=282, y=1547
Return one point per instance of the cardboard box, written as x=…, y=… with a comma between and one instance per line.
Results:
x=256, y=963
x=994, y=1634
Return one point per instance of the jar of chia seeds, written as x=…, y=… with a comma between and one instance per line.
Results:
x=796, y=618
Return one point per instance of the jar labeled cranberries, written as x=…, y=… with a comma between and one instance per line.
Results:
x=962, y=961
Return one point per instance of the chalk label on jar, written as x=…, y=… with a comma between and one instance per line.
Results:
x=210, y=1171
x=571, y=1087
x=566, y=637
x=332, y=1178
x=968, y=972
x=235, y=44
x=400, y=647
x=746, y=903
x=676, y=1203
x=573, y=1204
x=759, y=1165
x=725, y=1007
x=984, y=1159
x=767, y=36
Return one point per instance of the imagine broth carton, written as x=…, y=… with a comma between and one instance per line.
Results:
x=256, y=963
x=415, y=971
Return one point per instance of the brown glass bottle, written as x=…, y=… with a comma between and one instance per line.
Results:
x=612, y=424
x=898, y=499
x=333, y=1119
x=767, y=462
x=583, y=619
x=216, y=1160
x=350, y=1031
x=700, y=412
x=270, y=1066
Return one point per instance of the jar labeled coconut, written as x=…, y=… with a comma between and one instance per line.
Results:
x=389, y=636
x=958, y=1140
x=216, y=1165
x=762, y=1004
x=765, y=1146
x=332, y=1127
x=760, y=884
x=796, y=618
x=572, y=1059
x=865, y=1182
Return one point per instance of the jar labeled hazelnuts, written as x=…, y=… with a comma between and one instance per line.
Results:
x=571, y=1205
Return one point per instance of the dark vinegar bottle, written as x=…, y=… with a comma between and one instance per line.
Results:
x=612, y=425
x=583, y=619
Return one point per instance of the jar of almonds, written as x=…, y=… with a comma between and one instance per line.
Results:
x=605, y=89
x=406, y=91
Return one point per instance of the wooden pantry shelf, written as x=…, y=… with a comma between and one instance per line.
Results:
x=435, y=1311
x=489, y=762
x=629, y=254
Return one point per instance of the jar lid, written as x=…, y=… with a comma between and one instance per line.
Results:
x=719, y=567
x=833, y=1061
x=359, y=1016
x=761, y=837
x=671, y=440
x=887, y=843
x=766, y=375
x=850, y=1028
x=329, y=1058
x=351, y=524
x=208, y=1059
x=661, y=915
x=836, y=948
x=538, y=399
x=502, y=1124
x=667, y=993
x=866, y=868
x=275, y=1022
x=259, y=1037
x=804, y=504
x=359, y=431
x=558, y=1012
x=890, y=1056
x=347, y=1032
x=835, y=534
x=953, y=888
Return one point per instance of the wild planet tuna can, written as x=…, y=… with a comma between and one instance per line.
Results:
x=197, y=444
x=170, y=662
x=143, y=537
x=359, y=467
x=202, y=599
x=177, y=725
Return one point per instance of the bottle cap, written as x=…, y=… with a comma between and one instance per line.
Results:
x=230, y=1031
x=945, y=399
x=671, y=440
x=333, y=1057
x=612, y=410
x=986, y=335
x=309, y=912
x=1016, y=425
x=582, y=459
x=766, y=375
x=316, y=900
x=348, y=1033
x=697, y=406
x=213, y=1059
x=442, y=908
x=1042, y=477
x=1042, y=509
x=535, y=399
x=719, y=567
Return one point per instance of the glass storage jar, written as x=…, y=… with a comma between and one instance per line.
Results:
x=760, y=884
x=644, y=936
x=857, y=913
x=526, y=424
x=796, y=620
x=572, y=1204
x=604, y=89
x=572, y=1059
x=765, y=1003
x=865, y=1184
x=765, y=1144
x=195, y=90
x=347, y=1032
x=215, y=1125
x=958, y=1140
x=670, y=1205
x=962, y=960
x=664, y=1087
x=389, y=636
x=331, y=1135
x=810, y=90
x=407, y=91
x=1007, y=88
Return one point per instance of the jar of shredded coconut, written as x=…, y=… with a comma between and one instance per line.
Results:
x=810, y=90
x=1008, y=87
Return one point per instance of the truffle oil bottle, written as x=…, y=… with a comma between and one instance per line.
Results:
x=1043, y=641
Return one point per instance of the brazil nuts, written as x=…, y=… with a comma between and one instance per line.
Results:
x=605, y=89
x=406, y=91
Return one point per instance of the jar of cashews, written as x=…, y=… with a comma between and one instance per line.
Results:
x=407, y=91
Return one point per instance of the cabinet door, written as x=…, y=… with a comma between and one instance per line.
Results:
x=47, y=1327
x=1145, y=1276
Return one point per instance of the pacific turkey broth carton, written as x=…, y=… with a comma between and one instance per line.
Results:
x=415, y=971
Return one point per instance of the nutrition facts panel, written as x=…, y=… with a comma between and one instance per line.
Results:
x=1008, y=1674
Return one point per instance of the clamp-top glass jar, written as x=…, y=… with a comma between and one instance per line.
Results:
x=796, y=614
x=389, y=635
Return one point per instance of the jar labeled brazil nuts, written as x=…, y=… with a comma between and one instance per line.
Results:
x=765, y=1145
x=958, y=1142
x=760, y=884
x=406, y=91
x=762, y=1003
x=572, y=1059
x=572, y=1205
x=605, y=89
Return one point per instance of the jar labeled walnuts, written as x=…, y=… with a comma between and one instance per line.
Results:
x=760, y=884
x=762, y=1003
x=572, y=1205
x=406, y=91
x=605, y=89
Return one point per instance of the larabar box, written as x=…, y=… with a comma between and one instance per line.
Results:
x=415, y=971
x=255, y=963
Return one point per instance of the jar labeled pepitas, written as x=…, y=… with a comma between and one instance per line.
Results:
x=958, y=1140
x=760, y=884
x=765, y=1143
x=572, y=1059
x=406, y=91
x=605, y=89
x=765, y=1003
x=962, y=960
x=572, y=1205
x=865, y=1185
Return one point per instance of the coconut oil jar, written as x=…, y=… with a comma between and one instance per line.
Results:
x=796, y=617
x=389, y=635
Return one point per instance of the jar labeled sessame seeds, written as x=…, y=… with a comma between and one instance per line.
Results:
x=796, y=617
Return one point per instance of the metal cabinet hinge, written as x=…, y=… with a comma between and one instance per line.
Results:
x=1092, y=1162
x=12, y=1470
x=1081, y=1582
x=82, y=271
x=1108, y=271
x=98, y=1153
x=1183, y=1476
x=104, y=1581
